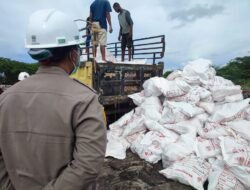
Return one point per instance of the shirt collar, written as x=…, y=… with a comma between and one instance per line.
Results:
x=51, y=70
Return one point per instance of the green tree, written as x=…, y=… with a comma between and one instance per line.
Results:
x=165, y=75
x=238, y=71
x=11, y=70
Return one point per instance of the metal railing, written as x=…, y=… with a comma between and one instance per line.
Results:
x=152, y=48
x=143, y=48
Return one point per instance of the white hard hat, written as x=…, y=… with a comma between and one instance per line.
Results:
x=23, y=75
x=50, y=28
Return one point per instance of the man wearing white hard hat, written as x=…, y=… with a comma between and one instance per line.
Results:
x=23, y=75
x=52, y=130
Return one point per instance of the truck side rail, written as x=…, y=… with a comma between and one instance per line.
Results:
x=152, y=48
x=143, y=48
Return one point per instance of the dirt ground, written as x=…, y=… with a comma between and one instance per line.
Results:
x=134, y=174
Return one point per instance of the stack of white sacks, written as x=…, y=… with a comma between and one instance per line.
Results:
x=197, y=123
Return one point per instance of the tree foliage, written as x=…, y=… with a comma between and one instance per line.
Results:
x=165, y=75
x=237, y=70
x=11, y=69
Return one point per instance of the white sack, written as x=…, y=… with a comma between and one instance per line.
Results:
x=148, y=146
x=189, y=97
x=183, y=147
x=207, y=148
x=174, y=75
x=174, y=88
x=172, y=115
x=242, y=173
x=190, y=171
x=247, y=113
x=229, y=111
x=194, y=95
x=214, y=130
x=186, y=108
x=116, y=146
x=234, y=98
x=151, y=86
x=188, y=126
x=118, y=126
x=208, y=99
x=236, y=153
x=138, y=98
x=217, y=81
x=207, y=106
x=152, y=108
x=220, y=178
x=197, y=71
x=202, y=117
x=131, y=138
x=157, y=86
x=219, y=93
x=169, y=135
x=135, y=126
x=211, y=160
x=242, y=127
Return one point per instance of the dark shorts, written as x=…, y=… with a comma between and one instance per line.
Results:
x=126, y=41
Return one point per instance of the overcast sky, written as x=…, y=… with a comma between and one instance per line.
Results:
x=213, y=29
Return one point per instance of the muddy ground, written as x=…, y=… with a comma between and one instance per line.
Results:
x=135, y=174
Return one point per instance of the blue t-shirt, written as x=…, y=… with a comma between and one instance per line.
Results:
x=99, y=8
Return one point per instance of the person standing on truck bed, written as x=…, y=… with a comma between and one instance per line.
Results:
x=126, y=30
x=88, y=35
x=99, y=15
x=52, y=130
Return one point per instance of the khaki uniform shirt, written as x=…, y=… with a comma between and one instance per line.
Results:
x=52, y=133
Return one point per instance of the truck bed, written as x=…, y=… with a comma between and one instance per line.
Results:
x=114, y=82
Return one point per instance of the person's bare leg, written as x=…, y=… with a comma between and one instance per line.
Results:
x=87, y=50
x=94, y=49
x=129, y=53
x=103, y=52
x=123, y=55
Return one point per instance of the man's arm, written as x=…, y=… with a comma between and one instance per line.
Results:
x=90, y=16
x=120, y=34
x=5, y=182
x=108, y=17
x=130, y=22
x=89, y=150
x=131, y=30
x=109, y=22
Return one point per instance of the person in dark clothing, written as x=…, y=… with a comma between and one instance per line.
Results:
x=126, y=30
x=88, y=34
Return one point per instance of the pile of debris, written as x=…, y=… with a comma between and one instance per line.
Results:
x=133, y=173
x=196, y=123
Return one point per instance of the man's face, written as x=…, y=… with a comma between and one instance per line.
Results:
x=117, y=9
x=74, y=59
